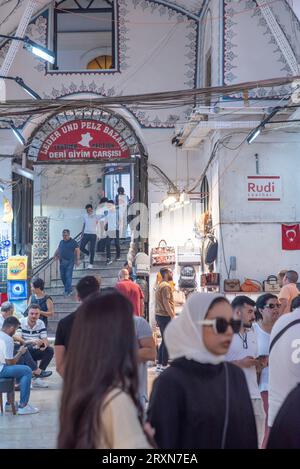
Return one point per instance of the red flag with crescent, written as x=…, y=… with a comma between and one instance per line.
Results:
x=290, y=237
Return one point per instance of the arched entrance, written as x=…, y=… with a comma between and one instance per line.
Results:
x=81, y=155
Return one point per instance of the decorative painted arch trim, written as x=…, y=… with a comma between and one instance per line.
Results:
x=123, y=132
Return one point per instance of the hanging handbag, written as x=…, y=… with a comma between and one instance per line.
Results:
x=189, y=254
x=250, y=285
x=211, y=250
x=211, y=279
x=179, y=297
x=187, y=277
x=163, y=254
x=142, y=264
x=271, y=284
x=232, y=285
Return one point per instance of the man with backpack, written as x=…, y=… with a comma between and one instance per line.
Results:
x=164, y=313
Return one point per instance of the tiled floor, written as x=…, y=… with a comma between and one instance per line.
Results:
x=38, y=431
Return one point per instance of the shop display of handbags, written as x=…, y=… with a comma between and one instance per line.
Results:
x=187, y=279
x=142, y=264
x=271, y=284
x=251, y=286
x=163, y=254
x=232, y=285
x=188, y=254
x=211, y=279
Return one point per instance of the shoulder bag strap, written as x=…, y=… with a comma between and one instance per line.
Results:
x=293, y=323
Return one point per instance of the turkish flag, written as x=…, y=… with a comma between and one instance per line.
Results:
x=290, y=237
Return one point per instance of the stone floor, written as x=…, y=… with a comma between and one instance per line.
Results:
x=38, y=431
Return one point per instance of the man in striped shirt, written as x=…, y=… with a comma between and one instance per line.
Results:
x=32, y=333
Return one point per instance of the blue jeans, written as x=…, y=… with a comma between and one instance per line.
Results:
x=23, y=374
x=163, y=356
x=66, y=273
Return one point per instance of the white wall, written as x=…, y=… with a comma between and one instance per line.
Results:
x=252, y=230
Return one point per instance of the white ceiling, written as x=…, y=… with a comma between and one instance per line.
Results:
x=11, y=10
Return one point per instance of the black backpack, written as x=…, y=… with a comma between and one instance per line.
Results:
x=187, y=277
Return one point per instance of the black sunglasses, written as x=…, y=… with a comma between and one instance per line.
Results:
x=220, y=325
x=272, y=306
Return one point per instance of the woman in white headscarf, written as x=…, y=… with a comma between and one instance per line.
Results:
x=200, y=401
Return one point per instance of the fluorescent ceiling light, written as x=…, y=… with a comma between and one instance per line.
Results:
x=170, y=200
x=33, y=47
x=25, y=172
x=17, y=134
x=253, y=135
x=39, y=51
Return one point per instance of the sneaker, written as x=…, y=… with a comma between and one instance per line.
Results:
x=118, y=258
x=90, y=266
x=44, y=374
x=69, y=294
x=28, y=409
x=39, y=383
x=163, y=368
x=109, y=261
x=8, y=407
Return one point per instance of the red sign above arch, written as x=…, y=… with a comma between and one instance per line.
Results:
x=83, y=140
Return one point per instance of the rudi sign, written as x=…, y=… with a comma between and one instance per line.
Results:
x=81, y=140
x=264, y=188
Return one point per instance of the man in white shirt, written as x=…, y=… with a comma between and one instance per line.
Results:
x=284, y=361
x=32, y=332
x=89, y=233
x=112, y=232
x=10, y=369
x=7, y=309
x=243, y=352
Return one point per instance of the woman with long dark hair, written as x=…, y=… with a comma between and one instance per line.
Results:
x=100, y=406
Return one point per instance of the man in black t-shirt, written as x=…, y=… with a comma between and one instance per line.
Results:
x=67, y=252
x=86, y=286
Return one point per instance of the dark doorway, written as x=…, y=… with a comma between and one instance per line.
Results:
x=22, y=201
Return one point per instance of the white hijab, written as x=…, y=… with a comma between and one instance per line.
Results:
x=183, y=336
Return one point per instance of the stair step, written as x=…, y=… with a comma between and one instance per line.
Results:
x=104, y=273
x=62, y=314
x=107, y=282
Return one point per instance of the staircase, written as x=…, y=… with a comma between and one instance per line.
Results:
x=54, y=286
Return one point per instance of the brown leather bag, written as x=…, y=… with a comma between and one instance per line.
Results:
x=232, y=284
x=250, y=285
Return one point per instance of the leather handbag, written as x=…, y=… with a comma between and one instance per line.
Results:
x=271, y=284
x=187, y=279
x=210, y=250
x=142, y=264
x=179, y=297
x=211, y=279
x=189, y=254
x=251, y=285
x=163, y=254
x=232, y=285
